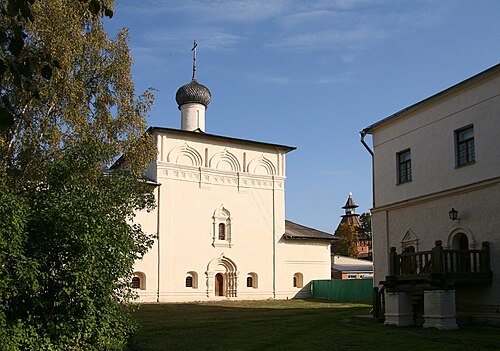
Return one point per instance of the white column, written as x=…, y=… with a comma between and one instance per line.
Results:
x=440, y=310
x=398, y=309
x=193, y=116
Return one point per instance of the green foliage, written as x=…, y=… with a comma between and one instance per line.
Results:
x=67, y=238
x=347, y=245
x=68, y=254
x=366, y=225
x=23, y=64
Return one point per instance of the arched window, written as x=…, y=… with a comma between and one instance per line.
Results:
x=252, y=280
x=191, y=280
x=222, y=228
x=139, y=281
x=222, y=231
x=298, y=280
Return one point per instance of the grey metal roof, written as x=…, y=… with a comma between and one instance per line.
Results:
x=349, y=264
x=215, y=137
x=482, y=75
x=193, y=92
x=297, y=231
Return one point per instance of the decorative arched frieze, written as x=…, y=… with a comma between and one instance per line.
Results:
x=226, y=268
x=222, y=225
x=185, y=155
x=225, y=161
x=455, y=233
x=409, y=240
x=261, y=165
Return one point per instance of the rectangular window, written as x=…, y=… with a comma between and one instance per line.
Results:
x=404, y=166
x=466, y=152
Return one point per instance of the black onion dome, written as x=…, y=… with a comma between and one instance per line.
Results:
x=193, y=92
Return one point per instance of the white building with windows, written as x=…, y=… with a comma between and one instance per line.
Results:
x=220, y=217
x=436, y=213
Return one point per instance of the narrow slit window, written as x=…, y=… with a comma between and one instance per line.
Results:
x=222, y=231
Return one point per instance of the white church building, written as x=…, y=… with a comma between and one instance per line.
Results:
x=220, y=217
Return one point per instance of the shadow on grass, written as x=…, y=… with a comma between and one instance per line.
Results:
x=288, y=325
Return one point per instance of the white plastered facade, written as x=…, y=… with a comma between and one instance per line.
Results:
x=206, y=181
x=415, y=213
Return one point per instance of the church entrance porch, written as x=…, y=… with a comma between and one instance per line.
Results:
x=429, y=279
x=222, y=277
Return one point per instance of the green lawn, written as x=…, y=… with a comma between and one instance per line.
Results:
x=290, y=325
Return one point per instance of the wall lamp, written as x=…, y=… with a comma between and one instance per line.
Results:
x=453, y=214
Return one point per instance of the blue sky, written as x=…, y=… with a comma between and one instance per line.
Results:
x=309, y=74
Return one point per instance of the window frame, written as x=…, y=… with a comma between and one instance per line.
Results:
x=222, y=231
x=191, y=280
x=407, y=167
x=298, y=280
x=222, y=225
x=470, y=156
x=139, y=277
x=136, y=282
x=252, y=278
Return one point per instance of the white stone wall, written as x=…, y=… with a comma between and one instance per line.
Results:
x=417, y=211
x=429, y=133
x=201, y=178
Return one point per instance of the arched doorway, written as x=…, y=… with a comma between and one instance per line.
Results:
x=222, y=277
x=460, y=243
x=463, y=242
x=219, y=285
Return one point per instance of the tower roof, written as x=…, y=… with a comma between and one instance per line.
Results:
x=350, y=203
x=193, y=92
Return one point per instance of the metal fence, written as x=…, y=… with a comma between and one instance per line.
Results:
x=351, y=290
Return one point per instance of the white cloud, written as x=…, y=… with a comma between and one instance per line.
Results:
x=177, y=40
x=332, y=39
x=269, y=79
x=215, y=10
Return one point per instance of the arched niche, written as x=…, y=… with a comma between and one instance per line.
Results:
x=225, y=161
x=261, y=165
x=185, y=155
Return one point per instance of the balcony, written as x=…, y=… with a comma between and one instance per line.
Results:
x=440, y=267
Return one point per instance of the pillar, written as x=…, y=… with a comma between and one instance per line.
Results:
x=439, y=309
x=398, y=309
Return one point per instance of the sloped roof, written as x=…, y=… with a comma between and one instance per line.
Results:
x=297, y=231
x=351, y=219
x=469, y=81
x=220, y=138
x=349, y=264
